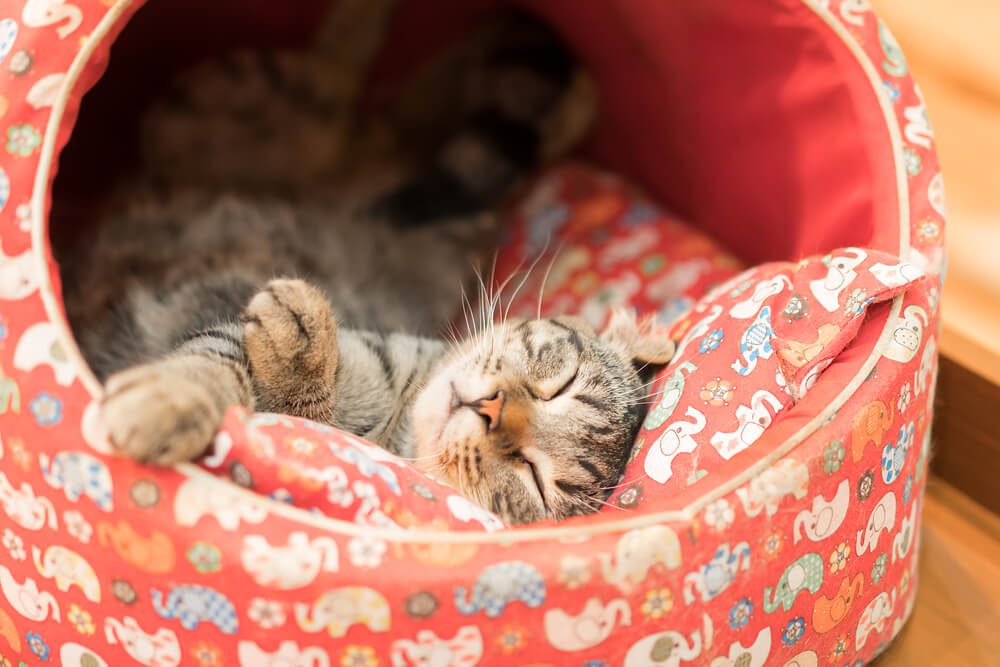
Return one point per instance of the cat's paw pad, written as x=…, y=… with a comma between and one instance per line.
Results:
x=156, y=413
x=290, y=333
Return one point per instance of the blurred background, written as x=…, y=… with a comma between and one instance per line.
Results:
x=953, y=48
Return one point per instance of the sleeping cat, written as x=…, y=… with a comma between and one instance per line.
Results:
x=178, y=314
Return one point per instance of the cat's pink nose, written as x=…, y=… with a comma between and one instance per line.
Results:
x=491, y=409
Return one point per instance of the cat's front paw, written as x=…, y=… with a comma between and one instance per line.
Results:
x=291, y=341
x=158, y=413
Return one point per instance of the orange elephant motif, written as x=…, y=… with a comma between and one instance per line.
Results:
x=153, y=554
x=828, y=612
x=869, y=425
x=9, y=631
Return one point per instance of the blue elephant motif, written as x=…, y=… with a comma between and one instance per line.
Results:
x=755, y=343
x=192, y=604
x=717, y=574
x=79, y=474
x=498, y=586
x=366, y=465
x=894, y=456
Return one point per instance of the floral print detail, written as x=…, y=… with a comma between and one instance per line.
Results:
x=204, y=557
x=366, y=551
x=37, y=645
x=512, y=638
x=865, y=485
x=878, y=569
x=47, y=409
x=839, y=556
x=793, y=631
x=421, y=605
x=22, y=140
x=14, y=545
x=658, y=602
x=423, y=491
x=20, y=62
x=912, y=161
x=240, y=475
x=574, y=572
x=358, y=656
x=81, y=620
x=929, y=231
x=719, y=515
x=772, y=543
x=266, y=613
x=77, y=527
x=207, y=655
x=145, y=493
x=907, y=488
x=20, y=453
x=630, y=497
x=904, y=583
x=717, y=392
x=741, y=613
x=857, y=302
x=796, y=308
x=833, y=456
x=839, y=649
x=123, y=591
x=711, y=341
x=903, y=401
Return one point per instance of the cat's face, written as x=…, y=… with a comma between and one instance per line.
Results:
x=535, y=419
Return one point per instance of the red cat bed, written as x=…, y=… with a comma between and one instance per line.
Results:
x=770, y=510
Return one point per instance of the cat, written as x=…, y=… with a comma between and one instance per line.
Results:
x=177, y=311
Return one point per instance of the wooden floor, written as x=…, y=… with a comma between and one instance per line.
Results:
x=956, y=619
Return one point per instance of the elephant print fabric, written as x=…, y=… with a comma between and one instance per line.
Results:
x=770, y=513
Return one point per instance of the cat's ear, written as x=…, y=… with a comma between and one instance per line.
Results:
x=640, y=340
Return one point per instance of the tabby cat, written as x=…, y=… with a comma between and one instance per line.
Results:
x=178, y=312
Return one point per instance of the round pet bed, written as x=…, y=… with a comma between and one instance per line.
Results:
x=770, y=510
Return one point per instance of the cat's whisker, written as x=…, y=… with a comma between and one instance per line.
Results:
x=545, y=279
x=527, y=275
x=625, y=483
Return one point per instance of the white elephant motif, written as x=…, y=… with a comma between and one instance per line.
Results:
x=698, y=330
x=676, y=439
x=669, y=648
x=68, y=568
x=839, y=276
x=754, y=655
x=249, y=654
x=804, y=659
x=41, y=13
x=751, y=421
x=923, y=375
x=25, y=508
x=896, y=275
x=26, y=599
x=918, y=125
x=676, y=280
x=882, y=518
x=907, y=332
x=718, y=573
x=464, y=509
x=873, y=618
x=637, y=552
x=158, y=649
x=764, y=290
x=595, y=623
x=338, y=609
x=765, y=491
x=294, y=565
x=906, y=536
x=18, y=278
x=825, y=517
x=465, y=649
x=40, y=345
x=79, y=474
x=628, y=248
x=854, y=11
x=198, y=497
x=72, y=654
x=45, y=91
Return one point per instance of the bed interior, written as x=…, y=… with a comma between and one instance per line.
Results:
x=756, y=123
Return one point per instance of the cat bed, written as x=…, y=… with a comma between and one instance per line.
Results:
x=770, y=510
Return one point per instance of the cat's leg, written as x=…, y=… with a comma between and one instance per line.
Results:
x=291, y=341
x=169, y=410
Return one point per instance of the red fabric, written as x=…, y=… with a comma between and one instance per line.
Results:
x=762, y=124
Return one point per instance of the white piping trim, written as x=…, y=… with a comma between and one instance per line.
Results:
x=567, y=533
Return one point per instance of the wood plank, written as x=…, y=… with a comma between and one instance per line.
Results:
x=957, y=610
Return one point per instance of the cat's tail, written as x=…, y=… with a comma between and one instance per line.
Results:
x=526, y=100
